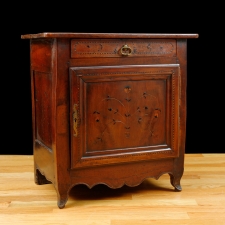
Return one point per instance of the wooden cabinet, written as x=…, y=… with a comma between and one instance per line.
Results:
x=108, y=108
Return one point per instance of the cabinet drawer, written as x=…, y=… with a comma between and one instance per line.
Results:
x=86, y=48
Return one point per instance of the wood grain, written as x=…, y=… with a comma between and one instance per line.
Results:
x=117, y=118
x=202, y=200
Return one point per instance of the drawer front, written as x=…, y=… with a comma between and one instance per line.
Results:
x=86, y=48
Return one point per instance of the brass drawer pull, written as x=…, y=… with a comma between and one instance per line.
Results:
x=125, y=50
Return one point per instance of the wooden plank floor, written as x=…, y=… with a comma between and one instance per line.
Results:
x=202, y=200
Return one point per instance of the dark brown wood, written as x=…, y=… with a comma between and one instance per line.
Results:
x=108, y=108
x=107, y=35
x=82, y=48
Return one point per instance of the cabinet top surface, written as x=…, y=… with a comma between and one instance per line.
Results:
x=107, y=35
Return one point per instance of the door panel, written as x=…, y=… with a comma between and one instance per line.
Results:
x=123, y=113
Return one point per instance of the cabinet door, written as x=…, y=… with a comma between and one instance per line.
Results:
x=123, y=113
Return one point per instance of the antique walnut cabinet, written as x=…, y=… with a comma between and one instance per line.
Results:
x=107, y=108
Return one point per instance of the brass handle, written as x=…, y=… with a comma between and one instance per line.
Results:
x=75, y=120
x=125, y=50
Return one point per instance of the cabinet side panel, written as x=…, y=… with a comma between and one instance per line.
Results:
x=42, y=59
x=43, y=107
x=41, y=71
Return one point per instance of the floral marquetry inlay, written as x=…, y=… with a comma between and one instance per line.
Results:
x=126, y=111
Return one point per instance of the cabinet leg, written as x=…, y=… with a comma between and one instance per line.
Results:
x=39, y=178
x=62, y=200
x=175, y=181
x=61, y=203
